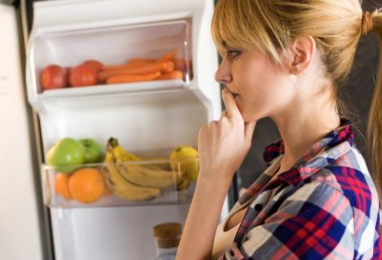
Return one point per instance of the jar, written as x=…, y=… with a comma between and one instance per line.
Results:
x=167, y=238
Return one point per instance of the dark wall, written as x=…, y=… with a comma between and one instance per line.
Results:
x=357, y=90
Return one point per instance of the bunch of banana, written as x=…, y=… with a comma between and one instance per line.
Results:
x=144, y=175
x=127, y=156
x=120, y=186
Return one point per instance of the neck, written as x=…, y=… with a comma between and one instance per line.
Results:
x=302, y=124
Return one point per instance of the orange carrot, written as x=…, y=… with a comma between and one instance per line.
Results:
x=138, y=68
x=141, y=60
x=168, y=56
x=176, y=74
x=128, y=78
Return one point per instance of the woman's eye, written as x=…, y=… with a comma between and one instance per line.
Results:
x=233, y=53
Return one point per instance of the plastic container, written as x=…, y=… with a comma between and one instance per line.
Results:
x=148, y=182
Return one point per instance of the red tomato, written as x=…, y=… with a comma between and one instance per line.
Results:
x=95, y=64
x=82, y=76
x=53, y=77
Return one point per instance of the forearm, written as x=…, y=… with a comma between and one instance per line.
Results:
x=202, y=220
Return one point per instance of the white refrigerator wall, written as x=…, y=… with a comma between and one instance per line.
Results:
x=19, y=225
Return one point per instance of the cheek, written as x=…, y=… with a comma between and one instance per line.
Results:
x=261, y=96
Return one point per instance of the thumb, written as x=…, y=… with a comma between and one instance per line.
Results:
x=248, y=130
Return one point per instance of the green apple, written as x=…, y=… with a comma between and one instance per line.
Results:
x=66, y=155
x=93, y=150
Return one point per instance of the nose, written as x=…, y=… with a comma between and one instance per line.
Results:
x=223, y=74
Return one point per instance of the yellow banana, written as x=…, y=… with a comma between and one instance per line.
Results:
x=123, y=156
x=123, y=188
x=183, y=185
x=144, y=175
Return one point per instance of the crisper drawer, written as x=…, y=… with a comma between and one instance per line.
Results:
x=121, y=179
x=124, y=58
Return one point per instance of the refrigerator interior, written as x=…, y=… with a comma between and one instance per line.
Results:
x=146, y=117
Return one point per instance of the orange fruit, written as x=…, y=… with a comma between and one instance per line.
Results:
x=86, y=185
x=61, y=187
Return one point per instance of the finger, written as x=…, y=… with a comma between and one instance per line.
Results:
x=249, y=129
x=224, y=113
x=230, y=103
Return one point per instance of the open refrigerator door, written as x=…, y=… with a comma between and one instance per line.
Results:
x=19, y=218
x=150, y=90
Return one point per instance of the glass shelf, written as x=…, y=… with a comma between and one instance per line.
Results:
x=140, y=87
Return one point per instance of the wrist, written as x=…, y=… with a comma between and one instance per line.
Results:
x=215, y=179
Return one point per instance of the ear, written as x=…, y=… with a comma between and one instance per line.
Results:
x=301, y=54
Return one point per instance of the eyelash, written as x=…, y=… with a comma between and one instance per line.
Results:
x=233, y=53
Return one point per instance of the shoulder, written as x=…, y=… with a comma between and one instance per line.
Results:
x=349, y=175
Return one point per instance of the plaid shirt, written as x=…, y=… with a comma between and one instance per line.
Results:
x=325, y=207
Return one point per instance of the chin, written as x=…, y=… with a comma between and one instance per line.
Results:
x=251, y=117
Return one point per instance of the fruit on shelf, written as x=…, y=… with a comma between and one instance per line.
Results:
x=122, y=187
x=66, y=155
x=92, y=72
x=183, y=185
x=61, y=185
x=53, y=77
x=93, y=150
x=141, y=175
x=185, y=158
x=82, y=76
x=94, y=64
x=86, y=185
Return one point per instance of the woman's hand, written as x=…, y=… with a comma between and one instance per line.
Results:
x=223, y=144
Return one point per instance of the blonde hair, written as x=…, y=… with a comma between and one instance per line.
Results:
x=336, y=25
x=374, y=127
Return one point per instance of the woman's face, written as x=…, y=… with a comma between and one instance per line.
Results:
x=260, y=88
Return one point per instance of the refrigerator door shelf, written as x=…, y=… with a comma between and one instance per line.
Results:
x=117, y=88
x=133, y=183
x=112, y=46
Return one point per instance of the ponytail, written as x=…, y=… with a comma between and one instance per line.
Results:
x=374, y=128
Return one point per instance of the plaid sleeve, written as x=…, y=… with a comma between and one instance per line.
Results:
x=315, y=222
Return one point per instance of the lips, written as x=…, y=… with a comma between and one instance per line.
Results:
x=233, y=94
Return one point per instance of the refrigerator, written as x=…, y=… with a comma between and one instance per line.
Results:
x=149, y=118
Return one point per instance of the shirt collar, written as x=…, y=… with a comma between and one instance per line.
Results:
x=320, y=154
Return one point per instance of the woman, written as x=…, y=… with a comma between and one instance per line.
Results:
x=284, y=59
